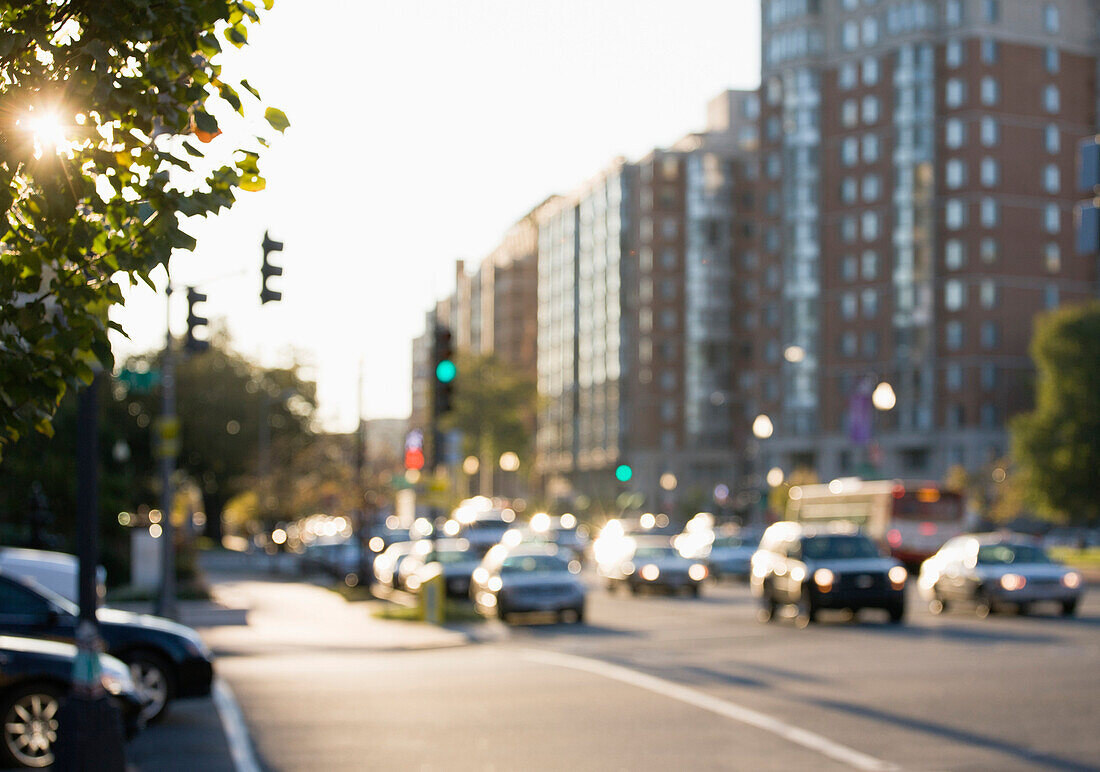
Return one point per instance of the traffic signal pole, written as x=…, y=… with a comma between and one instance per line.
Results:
x=167, y=447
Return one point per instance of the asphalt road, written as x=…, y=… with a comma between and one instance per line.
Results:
x=665, y=683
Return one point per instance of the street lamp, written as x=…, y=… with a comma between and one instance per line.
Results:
x=762, y=427
x=883, y=397
x=509, y=461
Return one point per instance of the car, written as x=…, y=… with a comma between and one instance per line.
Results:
x=35, y=676
x=528, y=578
x=167, y=660
x=651, y=562
x=827, y=566
x=457, y=557
x=56, y=571
x=483, y=529
x=729, y=554
x=387, y=566
x=987, y=570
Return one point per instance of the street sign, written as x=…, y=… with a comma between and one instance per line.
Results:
x=167, y=437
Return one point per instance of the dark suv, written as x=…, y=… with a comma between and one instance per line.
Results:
x=815, y=567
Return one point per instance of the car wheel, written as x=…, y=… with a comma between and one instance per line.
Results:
x=807, y=614
x=768, y=607
x=1023, y=609
x=153, y=681
x=984, y=606
x=1069, y=607
x=693, y=590
x=635, y=589
x=30, y=725
x=897, y=613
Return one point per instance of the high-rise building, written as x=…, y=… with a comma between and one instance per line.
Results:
x=915, y=181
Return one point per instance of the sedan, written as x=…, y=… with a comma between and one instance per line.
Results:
x=167, y=660
x=35, y=676
x=730, y=556
x=455, y=556
x=528, y=578
x=388, y=565
x=986, y=570
x=651, y=562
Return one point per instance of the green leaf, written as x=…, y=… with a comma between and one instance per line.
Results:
x=277, y=118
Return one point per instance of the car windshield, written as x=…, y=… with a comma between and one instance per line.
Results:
x=533, y=564
x=449, y=556
x=838, y=547
x=654, y=553
x=730, y=541
x=1006, y=554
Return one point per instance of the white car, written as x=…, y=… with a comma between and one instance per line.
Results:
x=58, y=572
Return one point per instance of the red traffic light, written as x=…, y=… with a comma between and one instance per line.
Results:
x=414, y=459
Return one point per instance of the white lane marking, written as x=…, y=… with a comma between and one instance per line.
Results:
x=806, y=739
x=236, y=733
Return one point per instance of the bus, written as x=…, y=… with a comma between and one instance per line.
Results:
x=910, y=519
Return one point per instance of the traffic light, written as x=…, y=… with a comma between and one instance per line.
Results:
x=443, y=370
x=194, y=321
x=268, y=270
x=623, y=473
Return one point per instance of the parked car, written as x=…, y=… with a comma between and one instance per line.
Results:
x=985, y=570
x=528, y=578
x=35, y=675
x=457, y=557
x=387, y=566
x=58, y=572
x=728, y=553
x=824, y=567
x=485, y=529
x=167, y=660
x=651, y=562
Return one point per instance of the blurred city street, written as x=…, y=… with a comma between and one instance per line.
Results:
x=655, y=682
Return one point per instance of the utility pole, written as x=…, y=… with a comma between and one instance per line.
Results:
x=168, y=447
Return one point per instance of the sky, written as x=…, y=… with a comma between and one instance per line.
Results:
x=420, y=131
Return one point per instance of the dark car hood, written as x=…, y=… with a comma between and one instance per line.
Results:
x=132, y=622
x=526, y=580
x=854, y=565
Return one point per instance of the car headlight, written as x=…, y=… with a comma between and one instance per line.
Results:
x=798, y=573
x=697, y=572
x=823, y=578
x=1013, y=582
x=1071, y=580
x=897, y=576
x=650, y=572
x=115, y=676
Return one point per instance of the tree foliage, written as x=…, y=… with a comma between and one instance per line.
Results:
x=494, y=407
x=105, y=108
x=1058, y=444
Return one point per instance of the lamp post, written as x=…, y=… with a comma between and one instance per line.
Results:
x=863, y=405
x=509, y=462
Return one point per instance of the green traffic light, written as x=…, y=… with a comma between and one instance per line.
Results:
x=623, y=473
x=445, y=371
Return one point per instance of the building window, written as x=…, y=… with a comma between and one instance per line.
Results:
x=848, y=268
x=953, y=13
x=954, y=255
x=953, y=377
x=1052, y=20
x=849, y=151
x=989, y=51
x=869, y=301
x=1052, y=219
x=870, y=265
x=668, y=380
x=870, y=31
x=869, y=226
x=848, y=229
x=987, y=293
x=954, y=214
x=847, y=77
x=1052, y=139
x=849, y=35
x=1052, y=178
x=988, y=250
x=989, y=416
x=989, y=335
x=953, y=335
x=870, y=109
x=870, y=71
x=1052, y=98
x=849, y=113
x=954, y=174
x=954, y=295
x=1052, y=60
x=954, y=92
x=848, y=306
x=848, y=190
x=990, y=91
x=989, y=377
x=1050, y=296
x=1052, y=257
x=989, y=213
x=870, y=148
x=848, y=344
x=953, y=53
x=668, y=259
x=954, y=133
x=990, y=131
x=991, y=11
x=870, y=344
x=990, y=172
x=872, y=187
